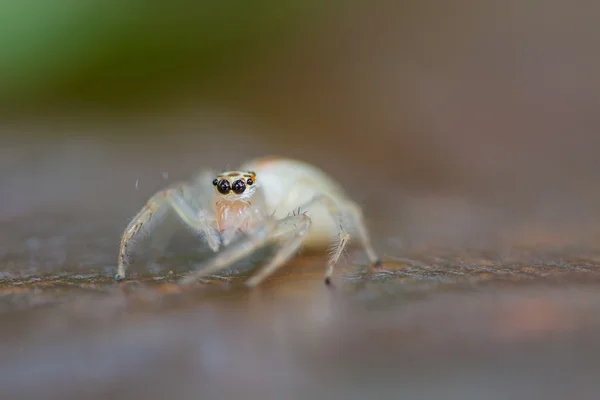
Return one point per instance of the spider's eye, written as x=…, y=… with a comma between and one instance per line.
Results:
x=223, y=186
x=239, y=186
x=215, y=182
x=249, y=182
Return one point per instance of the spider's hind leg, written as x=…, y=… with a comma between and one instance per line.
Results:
x=363, y=234
x=337, y=214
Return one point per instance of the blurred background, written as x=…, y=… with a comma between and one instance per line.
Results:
x=489, y=109
x=468, y=131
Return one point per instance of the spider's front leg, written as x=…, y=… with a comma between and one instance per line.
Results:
x=176, y=197
x=290, y=233
x=259, y=236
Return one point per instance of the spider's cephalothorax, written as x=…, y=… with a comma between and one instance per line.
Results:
x=233, y=191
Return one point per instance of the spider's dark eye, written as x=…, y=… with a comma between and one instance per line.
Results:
x=223, y=187
x=249, y=182
x=239, y=186
x=215, y=182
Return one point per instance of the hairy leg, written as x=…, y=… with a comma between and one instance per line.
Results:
x=344, y=237
x=173, y=197
x=363, y=234
x=256, y=238
x=342, y=213
x=291, y=241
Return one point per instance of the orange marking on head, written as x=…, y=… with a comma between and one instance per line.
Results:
x=268, y=160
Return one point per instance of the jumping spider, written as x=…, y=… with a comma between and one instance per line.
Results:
x=265, y=200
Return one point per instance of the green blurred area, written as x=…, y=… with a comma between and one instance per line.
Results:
x=126, y=50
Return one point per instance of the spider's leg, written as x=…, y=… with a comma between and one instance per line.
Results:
x=174, y=198
x=256, y=238
x=363, y=234
x=336, y=213
x=292, y=239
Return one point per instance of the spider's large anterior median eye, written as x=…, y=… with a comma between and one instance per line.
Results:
x=239, y=186
x=224, y=187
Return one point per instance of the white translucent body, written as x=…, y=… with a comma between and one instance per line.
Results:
x=285, y=202
x=289, y=184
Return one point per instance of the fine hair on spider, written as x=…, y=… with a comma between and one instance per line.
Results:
x=270, y=201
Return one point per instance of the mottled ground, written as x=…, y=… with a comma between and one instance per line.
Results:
x=467, y=317
x=424, y=326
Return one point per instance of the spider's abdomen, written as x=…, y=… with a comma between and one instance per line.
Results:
x=288, y=184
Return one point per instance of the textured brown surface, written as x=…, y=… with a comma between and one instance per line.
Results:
x=458, y=331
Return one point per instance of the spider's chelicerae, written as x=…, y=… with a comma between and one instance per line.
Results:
x=278, y=201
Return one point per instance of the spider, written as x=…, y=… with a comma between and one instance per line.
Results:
x=264, y=201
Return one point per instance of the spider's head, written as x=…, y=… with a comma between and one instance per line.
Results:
x=235, y=185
